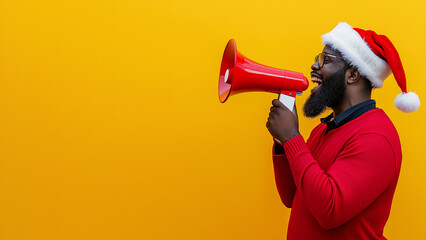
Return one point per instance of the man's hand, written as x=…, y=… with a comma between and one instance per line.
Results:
x=282, y=123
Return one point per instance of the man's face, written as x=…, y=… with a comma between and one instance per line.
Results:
x=331, y=83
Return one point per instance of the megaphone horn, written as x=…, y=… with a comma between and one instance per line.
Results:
x=239, y=74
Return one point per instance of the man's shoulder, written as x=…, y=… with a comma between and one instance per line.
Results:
x=377, y=125
x=376, y=121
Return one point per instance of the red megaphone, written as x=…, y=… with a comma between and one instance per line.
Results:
x=239, y=74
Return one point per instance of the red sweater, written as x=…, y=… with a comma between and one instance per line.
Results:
x=340, y=185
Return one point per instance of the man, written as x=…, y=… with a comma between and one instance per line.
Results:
x=341, y=182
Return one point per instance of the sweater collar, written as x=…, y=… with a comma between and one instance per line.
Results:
x=348, y=115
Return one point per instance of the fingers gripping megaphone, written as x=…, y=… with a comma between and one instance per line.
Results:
x=239, y=74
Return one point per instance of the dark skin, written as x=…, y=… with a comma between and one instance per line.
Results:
x=283, y=124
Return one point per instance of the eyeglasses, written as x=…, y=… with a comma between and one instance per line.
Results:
x=321, y=57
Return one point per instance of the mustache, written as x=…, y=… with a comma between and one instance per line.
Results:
x=316, y=74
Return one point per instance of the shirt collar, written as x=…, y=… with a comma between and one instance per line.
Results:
x=348, y=115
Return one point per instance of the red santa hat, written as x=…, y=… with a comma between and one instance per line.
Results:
x=375, y=57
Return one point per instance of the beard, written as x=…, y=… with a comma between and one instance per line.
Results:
x=329, y=94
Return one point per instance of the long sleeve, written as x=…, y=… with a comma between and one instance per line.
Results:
x=283, y=177
x=361, y=172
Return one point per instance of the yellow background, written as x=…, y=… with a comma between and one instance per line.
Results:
x=111, y=128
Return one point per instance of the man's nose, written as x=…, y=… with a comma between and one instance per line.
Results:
x=315, y=66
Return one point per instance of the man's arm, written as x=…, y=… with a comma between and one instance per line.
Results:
x=283, y=177
x=362, y=171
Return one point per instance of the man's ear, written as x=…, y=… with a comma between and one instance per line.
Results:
x=352, y=75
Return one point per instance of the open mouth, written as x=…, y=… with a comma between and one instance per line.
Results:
x=317, y=80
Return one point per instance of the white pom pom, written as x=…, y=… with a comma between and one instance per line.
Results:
x=407, y=102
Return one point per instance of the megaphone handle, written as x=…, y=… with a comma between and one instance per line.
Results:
x=288, y=98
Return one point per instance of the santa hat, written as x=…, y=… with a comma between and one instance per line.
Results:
x=375, y=57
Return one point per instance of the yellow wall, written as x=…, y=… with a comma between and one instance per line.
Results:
x=111, y=128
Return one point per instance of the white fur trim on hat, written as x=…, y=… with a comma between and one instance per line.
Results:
x=357, y=53
x=407, y=102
